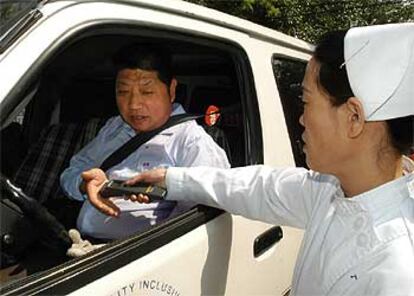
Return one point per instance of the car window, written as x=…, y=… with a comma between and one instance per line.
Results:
x=75, y=97
x=289, y=74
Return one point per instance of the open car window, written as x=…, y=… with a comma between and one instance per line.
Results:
x=63, y=105
x=289, y=74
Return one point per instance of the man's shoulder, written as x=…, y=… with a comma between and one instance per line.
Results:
x=188, y=133
x=114, y=121
x=115, y=128
x=189, y=130
x=182, y=127
x=114, y=124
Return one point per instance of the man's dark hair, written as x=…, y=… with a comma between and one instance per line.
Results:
x=145, y=57
x=333, y=78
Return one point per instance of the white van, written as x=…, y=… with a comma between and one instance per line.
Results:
x=57, y=89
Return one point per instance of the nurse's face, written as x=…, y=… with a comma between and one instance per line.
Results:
x=324, y=132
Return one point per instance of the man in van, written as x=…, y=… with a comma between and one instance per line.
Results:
x=145, y=94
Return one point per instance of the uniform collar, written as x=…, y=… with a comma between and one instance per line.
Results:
x=408, y=165
x=384, y=197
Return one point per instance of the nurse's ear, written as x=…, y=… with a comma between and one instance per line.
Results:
x=355, y=117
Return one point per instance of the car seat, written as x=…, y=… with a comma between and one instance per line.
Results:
x=38, y=175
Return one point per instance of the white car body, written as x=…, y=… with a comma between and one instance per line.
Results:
x=216, y=257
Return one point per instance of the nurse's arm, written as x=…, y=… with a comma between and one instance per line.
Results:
x=279, y=196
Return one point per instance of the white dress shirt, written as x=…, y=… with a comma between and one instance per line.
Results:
x=352, y=246
x=182, y=145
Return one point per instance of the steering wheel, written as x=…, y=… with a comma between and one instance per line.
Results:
x=47, y=229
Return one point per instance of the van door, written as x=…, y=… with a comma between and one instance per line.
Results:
x=204, y=250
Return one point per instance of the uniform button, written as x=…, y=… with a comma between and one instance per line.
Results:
x=359, y=223
x=362, y=240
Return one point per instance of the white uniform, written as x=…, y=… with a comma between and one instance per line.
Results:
x=352, y=246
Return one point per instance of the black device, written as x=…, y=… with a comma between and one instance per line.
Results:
x=119, y=188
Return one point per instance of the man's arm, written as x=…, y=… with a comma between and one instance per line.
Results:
x=93, y=181
x=82, y=187
x=82, y=179
x=88, y=157
x=90, y=182
x=71, y=181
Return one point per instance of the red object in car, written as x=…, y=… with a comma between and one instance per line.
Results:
x=212, y=115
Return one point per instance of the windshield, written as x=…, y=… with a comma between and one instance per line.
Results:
x=11, y=11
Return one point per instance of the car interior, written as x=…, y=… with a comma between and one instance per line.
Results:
x=70, y=99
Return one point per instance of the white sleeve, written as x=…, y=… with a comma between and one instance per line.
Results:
x=278, y=196
x=198, y=149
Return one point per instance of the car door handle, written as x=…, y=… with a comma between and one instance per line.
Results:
x=266, y=240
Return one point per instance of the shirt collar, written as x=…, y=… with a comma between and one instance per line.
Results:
x=177, y=109
x=380, y=198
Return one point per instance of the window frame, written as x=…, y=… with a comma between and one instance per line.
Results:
x=294, y=136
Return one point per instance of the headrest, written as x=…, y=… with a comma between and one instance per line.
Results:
x=380, y=65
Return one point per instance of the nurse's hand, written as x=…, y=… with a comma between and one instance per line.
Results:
x=93, y=181
x=155, y=177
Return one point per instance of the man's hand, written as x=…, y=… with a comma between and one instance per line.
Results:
x=155, y=176
x=94, y=179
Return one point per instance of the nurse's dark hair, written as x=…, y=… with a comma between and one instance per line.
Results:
x=333, y=79
x=145, y=57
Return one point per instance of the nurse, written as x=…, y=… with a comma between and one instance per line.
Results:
x=356, y=203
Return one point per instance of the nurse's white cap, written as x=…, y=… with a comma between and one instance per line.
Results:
x=379, y=62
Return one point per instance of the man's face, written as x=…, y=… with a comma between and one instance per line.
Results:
x=144, y=101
